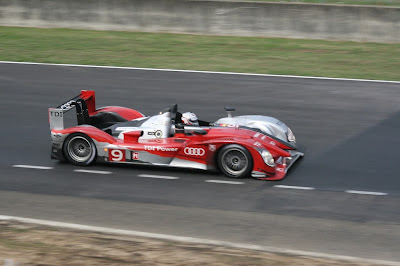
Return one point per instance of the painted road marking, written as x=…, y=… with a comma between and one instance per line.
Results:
x=225, y=182
x=198, y=71
x=33, y=167
x=290, y=252
x=159, y=176
x=208, y=181
x=367, y=192
x=294, y=187
x=92, y=171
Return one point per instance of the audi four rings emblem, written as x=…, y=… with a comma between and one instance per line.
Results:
x=194, y=151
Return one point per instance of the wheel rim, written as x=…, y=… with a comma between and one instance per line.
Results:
x=234, y=162
x=79, y=149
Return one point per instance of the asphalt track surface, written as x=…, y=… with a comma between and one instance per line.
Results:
x=349, y=131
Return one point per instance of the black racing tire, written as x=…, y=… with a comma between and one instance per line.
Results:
x=79, y=149
x=235, y=161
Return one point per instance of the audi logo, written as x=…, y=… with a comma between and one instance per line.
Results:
x=67, y=105
x=194, y=151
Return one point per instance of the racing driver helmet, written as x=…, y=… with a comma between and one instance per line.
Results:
x=190, y=119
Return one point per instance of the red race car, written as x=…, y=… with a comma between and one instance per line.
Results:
x=82, y=135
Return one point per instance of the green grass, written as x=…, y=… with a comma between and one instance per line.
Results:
x=179, y=51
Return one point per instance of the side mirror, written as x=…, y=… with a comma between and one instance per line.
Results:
x=230, y=110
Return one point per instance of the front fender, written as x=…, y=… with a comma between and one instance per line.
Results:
x=264, y=128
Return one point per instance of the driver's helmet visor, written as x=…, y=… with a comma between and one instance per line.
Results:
x=192, y=122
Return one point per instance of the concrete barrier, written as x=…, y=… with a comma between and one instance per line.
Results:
x=288, y=20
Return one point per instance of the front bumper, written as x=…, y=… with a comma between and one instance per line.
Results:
x=282, y=166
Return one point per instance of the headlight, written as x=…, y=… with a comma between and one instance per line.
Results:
x=290, y=136
x=268, y=159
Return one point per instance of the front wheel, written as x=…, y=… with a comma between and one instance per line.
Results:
x=235, y=161
x=79, y=149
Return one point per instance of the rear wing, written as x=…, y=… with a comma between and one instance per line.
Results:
x=84, y=104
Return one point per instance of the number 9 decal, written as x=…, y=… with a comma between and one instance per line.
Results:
x=117, y=155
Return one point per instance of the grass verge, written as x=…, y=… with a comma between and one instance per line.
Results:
x=213, y=53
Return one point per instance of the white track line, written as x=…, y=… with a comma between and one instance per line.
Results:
x=294, y=187
x=33, y=167
x=208, y=181
x=93, y=171
x=225, y=182
x=198, y=71
x=366, y=192
x=159, y=176
x=284, y=251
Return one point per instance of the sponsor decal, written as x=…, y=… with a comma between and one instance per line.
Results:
x=256, y=135
x=116, y=155
x=156, y=140
x=157, y=134
x=212, y=147
x=263, y=137
x=135, y=156
x=159, y=148
x=194, y=151
x=56, y=113
x=226, y=125
x=67, y=105
x=278, y=169
x=55, y=135
x=272, y=143
x=257, y=144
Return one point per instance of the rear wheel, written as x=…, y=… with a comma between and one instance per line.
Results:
x=235, y=161
x=79, y=149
